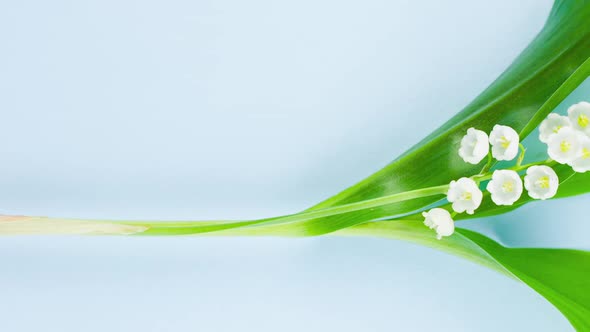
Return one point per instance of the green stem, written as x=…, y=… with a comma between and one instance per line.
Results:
x=517, y=168
x=367, y=204
x=488, y=165
x=201, y=227
x=41, y=225
x=521, y=156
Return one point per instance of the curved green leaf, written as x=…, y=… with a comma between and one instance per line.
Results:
x=549, y=69
x=560, y=275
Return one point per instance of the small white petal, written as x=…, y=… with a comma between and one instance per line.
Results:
x=581, y=163
x=541, y=182
x=504, y=141
x=579, y=115
x=551, y=126
x=565, y=146
x=465, y=195
x=474, y=146
x=505, y=187
x=440, y=220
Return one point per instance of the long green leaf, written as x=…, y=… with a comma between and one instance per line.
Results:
x=560, y=275
x=550, y=68
x=547, y=71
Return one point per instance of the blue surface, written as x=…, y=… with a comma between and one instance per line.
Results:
x=233, y=109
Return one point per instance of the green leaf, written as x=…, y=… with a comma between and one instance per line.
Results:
x=560, y=275
x=547, y=71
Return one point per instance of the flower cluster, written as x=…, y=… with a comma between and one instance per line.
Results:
x=568, y=137
x=568, y=142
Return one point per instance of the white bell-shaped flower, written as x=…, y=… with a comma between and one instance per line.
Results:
x=541, y=182
x=579, y=115
x=474, y=146
x=504, y=142
x=565, y=146
x=465, y=195
x=581, y=163
x=440, y=220
x=551, y=125
x=505, y=187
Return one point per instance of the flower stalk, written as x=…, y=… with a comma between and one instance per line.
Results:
x=506, y=187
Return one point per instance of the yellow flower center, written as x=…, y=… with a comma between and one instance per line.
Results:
x=543, y=182
x=508, y=187
x=466, y=196
x=583, y=120
x=585, y=153
x=565, y=146
x=504, y=142
x=557, y=128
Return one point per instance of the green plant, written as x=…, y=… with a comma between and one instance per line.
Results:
x=389, y=203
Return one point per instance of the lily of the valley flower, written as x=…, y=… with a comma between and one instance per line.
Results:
x=581, y=163
x=505, y=187
x=541, y=182
x=504, y=141
x=474, y=146
x=551, y=125
x=579, y=115
x=565, y=146
x=440, y=220
x=465, y=195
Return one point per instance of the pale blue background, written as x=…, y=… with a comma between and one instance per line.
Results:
x=245, y=109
